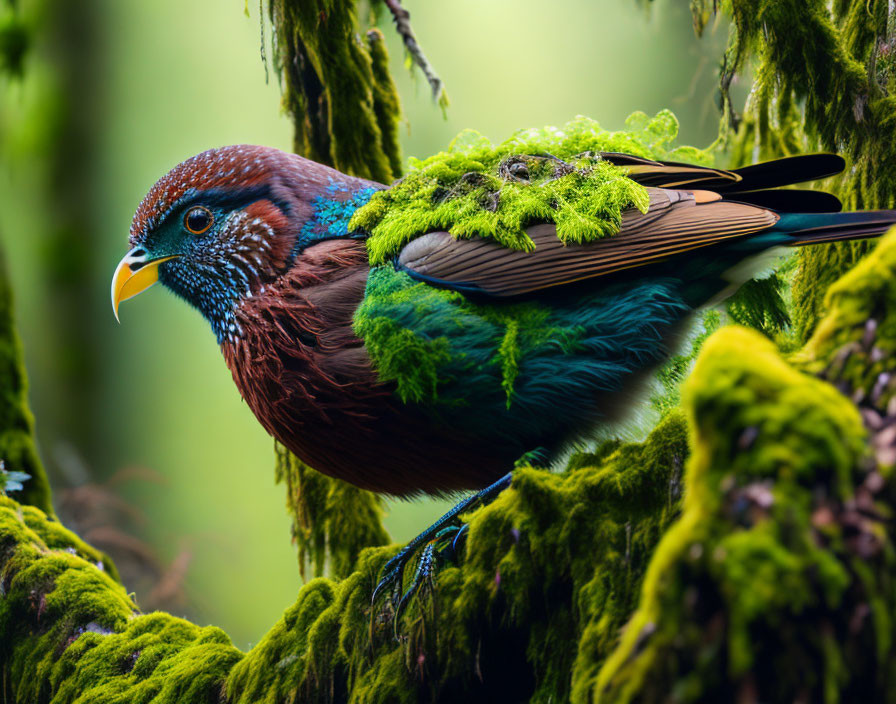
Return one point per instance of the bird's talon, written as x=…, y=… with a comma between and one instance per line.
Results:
x=422, y=575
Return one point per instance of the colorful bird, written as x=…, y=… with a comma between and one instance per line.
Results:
x=439, y=369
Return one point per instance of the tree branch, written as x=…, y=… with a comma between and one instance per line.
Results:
x=402, y=20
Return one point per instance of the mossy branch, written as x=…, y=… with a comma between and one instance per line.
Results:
x=402, y=19
x=760, y=563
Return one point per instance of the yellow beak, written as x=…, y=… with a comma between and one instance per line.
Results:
x=134, y=274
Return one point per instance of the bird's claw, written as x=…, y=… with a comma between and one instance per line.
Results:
x=443, y=547
x=440, y=543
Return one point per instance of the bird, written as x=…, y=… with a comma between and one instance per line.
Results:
x=438, y=369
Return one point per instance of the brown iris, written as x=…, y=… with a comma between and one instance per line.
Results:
x=198, y=220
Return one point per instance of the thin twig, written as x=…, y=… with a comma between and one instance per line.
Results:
x=403, y=24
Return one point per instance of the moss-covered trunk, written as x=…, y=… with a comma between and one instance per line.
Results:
x=18, y=451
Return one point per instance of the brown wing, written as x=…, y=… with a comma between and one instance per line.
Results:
x=675, y=222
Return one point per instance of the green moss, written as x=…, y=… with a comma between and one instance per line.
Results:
x=331, y=519
x=760, y=304
x=744, y=584
x=403, y=357
x=800, y=53
x=17, y=448
x=550, y=560
x=856, y=341
x=385, y=101
x=337, y=88
x=477, y=188
x=71, y=632
x=421, y=361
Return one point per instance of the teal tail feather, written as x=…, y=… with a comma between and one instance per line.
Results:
x=816, y=228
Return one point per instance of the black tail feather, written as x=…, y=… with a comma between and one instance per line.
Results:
x=785, y=172
x=816, y=228
x=758, y=177
x=790, y=200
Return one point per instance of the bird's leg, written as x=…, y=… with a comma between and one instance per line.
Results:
x=446, y=527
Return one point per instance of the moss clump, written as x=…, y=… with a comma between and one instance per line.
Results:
x=400, y=355
x=761, y=571
x=477, y=188
x=71, y=632
x=407, y=327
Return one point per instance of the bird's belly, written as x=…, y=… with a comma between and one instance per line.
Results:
x=502, y=383
x=383, y=445
x=358, y=431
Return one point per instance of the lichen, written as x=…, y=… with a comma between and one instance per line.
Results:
x=477, y=188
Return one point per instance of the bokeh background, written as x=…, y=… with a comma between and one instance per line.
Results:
x=145, y=437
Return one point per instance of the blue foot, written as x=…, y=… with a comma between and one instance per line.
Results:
x=441, y=543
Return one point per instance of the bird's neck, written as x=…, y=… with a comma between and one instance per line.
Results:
x=331, y=210
x=297, y=344
x=319, y=212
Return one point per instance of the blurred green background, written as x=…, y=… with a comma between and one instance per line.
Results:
x=147, y=441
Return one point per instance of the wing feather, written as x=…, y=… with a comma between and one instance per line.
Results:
x=675, y=223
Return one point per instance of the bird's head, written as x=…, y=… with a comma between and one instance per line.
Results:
x=220, y=226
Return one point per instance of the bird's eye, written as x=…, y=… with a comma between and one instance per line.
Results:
x=198, y=220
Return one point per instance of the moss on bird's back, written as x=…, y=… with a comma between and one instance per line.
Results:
x=477, y=188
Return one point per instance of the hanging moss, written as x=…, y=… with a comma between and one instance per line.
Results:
x=477, y=188
x=337, y=88
x=823, y=80
x=332, y=521
x=385, y=101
